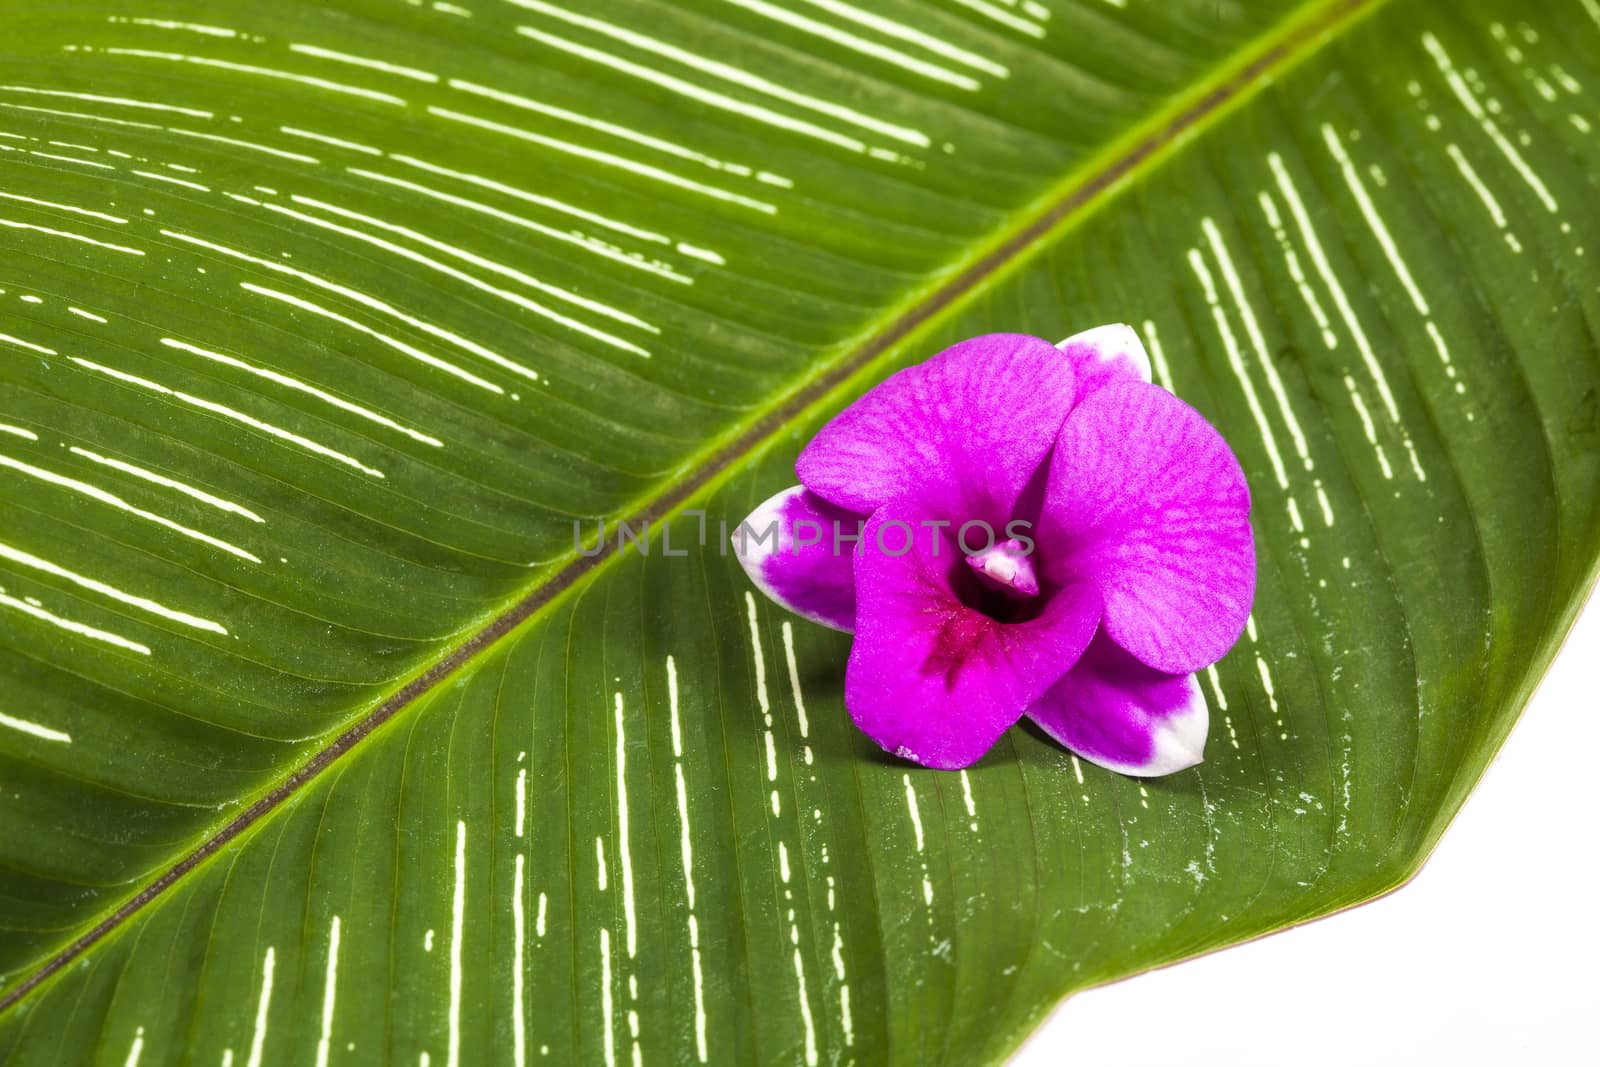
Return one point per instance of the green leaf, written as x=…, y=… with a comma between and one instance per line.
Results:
x=322, y=323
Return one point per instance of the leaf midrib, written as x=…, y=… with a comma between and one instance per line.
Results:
x=1228, y=85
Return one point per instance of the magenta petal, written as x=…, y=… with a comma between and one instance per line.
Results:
x=1104, y=355
x=931, y=679
x=1113, y=710
x=969, y=427
x=799, y=550
x=1146, y=501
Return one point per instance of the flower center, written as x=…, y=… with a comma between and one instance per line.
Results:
x=1007, y=568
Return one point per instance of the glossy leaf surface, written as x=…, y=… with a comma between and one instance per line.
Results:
x=323, y=323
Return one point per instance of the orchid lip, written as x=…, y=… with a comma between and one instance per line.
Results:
x=1006, y=567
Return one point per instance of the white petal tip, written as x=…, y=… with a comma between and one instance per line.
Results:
x=761, y=534
x=1177, y=741
x=1112, y=343
x=766, y=548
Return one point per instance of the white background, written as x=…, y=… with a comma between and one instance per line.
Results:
x=1487, y=957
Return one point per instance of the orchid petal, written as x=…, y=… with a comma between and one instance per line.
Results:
x=798, y=550
x=1106, y=354
x=970, y=426
x=930, y=678
x=1146, y=500
x=1114, y=711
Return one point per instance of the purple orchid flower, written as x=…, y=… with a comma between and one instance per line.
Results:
x=1042, y=532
